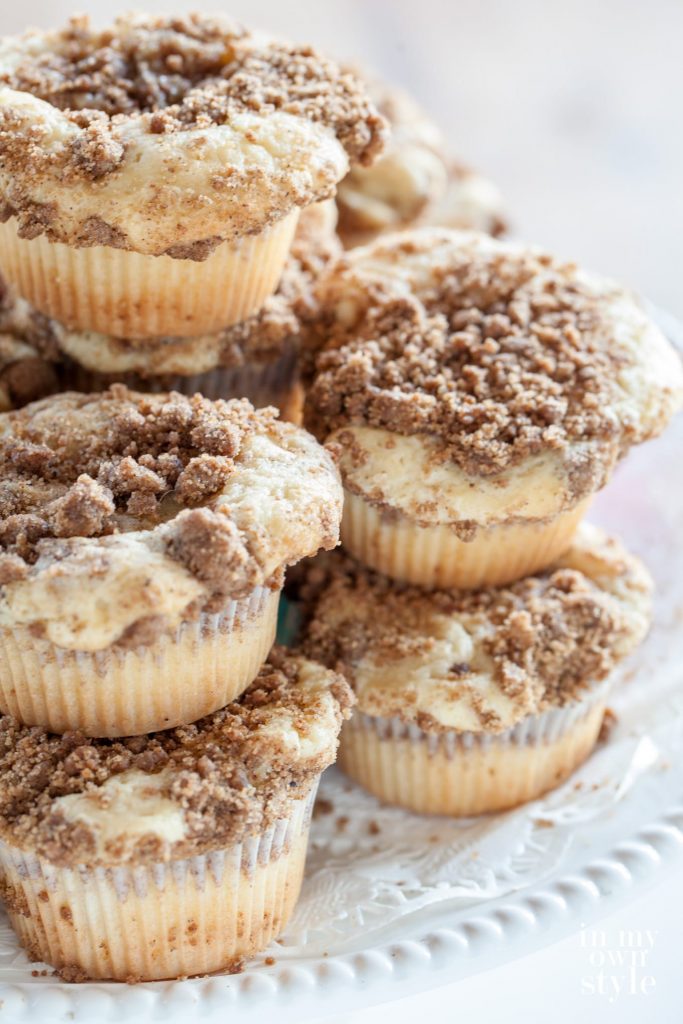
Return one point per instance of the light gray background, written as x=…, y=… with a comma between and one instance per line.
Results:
x=575, y=108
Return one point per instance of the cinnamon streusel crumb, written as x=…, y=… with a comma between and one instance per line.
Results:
x=76, y=473
x=183, y=72
x=171, y=135
x=539, y=642
x=229, y=772
x=499, y=353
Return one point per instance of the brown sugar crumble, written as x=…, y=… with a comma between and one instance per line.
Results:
x=21, y=321
x=179, y=73
x=502, y=356
x=542, y=640
x=165, y=91
x=608, y=725
x=228, y=772
x=322, y=808
x=27, y=353
x=82, y=466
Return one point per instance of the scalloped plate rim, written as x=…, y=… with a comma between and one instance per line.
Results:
x=409, y=962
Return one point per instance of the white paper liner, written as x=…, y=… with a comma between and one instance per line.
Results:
x=465, y=773
x=531, y=731
x=121, y=691
x=165, y=919
x=434, y=556
x=130, y=295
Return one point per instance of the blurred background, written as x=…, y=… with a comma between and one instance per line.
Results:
x=574, y=109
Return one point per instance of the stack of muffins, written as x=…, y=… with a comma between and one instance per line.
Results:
x=168, y=226
x=477, y=394
x=167, y=199
x=153, y=178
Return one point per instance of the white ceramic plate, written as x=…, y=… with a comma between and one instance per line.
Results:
x=394, y=903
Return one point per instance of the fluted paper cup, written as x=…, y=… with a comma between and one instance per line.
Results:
x=131, y=295
x=433, y=556
x=176, y=679
x=466, y=773
x=159, y=920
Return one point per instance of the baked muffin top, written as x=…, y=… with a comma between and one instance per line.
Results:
x=489, y=354
x=153, y=506
x=415, y=181
x=107, y=137
x=178, y=793
x=478, y=661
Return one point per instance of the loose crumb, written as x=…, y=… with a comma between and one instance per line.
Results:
x=609, y=723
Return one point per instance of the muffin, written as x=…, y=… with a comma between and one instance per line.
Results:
x=475, y=701
x=152, y=173
x=256, y=359
x=415, y=181
x=143, y=540
x=479, y=393
x=170, y=854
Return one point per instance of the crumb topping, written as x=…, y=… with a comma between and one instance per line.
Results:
x=231, y=773
x=26, y=324
x=25, y=376
x=76, y=467
x=498, y=352
x=27, y=352
x=178, y=73
x=515, y=650
x=171, y=135
x=73, y=465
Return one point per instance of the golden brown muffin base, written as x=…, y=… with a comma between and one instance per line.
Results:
x=174, y=680
x=433, y=556
x=146, y=923
x=468, y=773
x=132, y=295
